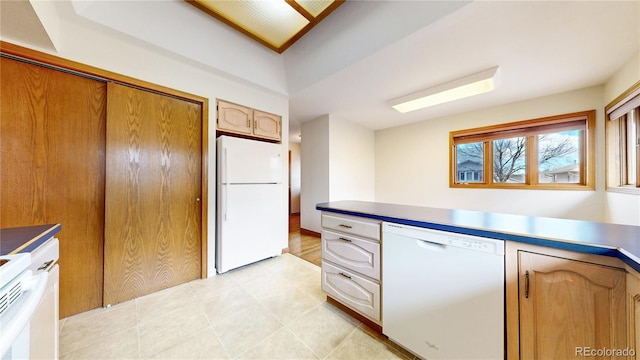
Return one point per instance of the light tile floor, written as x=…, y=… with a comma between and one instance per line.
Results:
x=273, y=309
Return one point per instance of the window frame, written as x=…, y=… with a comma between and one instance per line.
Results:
x=618, y=143
x=530, y=129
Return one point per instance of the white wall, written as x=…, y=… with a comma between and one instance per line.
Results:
x=86, y=42
x=622, y=208
x=201, y=38
x=412, y=162
x=352, y=161
x=294, y=180
x=314, y=159
x=338, y=163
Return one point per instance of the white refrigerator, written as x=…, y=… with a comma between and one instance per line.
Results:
x=251, y=202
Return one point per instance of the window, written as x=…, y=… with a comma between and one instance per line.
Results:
x=470, y=160
x=623, y=142
x=550, y=153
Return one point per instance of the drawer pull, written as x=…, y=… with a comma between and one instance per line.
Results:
x=345, y=275
x=345, y=226
x=46, y=265
x=526, y=284
x=343, y=239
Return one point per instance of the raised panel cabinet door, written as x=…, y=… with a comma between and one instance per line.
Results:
x=633, y=304
x=352, y=253
x=234, y=118
x=153, y=187
x=352, y=290
x=52, y=141
x=266, y=125
x=568, y=307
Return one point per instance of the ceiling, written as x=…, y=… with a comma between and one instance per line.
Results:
x=541, y=47
x=274, y=24
x=368, y=52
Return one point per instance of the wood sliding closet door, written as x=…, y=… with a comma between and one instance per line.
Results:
x=153, y=191
x=52, y=141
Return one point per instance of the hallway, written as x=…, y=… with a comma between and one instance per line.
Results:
x=307, y=247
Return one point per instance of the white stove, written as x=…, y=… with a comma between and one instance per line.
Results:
x=14, y=274
x=28, y=301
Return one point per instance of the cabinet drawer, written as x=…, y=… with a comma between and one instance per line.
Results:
x=353, y=253
x=352, y=290
x=352, y=225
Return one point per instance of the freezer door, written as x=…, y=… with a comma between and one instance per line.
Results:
x=243, y=161
x=251, y=224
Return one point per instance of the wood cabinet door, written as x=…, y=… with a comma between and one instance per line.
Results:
x=52, y=141
x=568, y=305
x=234, y=118
x=266, y=125
x=633, y=320
x=153, y=187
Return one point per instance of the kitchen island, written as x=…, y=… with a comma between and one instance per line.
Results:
x=570, y=288
x=621, y=241
x=26, y=238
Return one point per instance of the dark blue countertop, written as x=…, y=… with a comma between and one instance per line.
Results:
x=621, y=241
x=25, y=239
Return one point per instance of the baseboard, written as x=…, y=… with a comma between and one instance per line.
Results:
x=285, y=250
x=375, y=327
x=309, y=233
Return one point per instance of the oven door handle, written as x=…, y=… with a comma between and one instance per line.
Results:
x=12, y=323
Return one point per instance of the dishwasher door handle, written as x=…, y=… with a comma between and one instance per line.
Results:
x=431, y=246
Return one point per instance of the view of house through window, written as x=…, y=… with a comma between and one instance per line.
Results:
x=470, y=162
x=559, y=157
x=541, y=153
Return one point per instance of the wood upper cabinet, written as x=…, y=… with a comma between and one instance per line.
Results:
x=234, y=118
x=567, y=307
x=266, y=125
x=238, y=119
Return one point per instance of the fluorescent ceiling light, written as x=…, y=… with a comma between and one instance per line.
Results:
x=471, y=85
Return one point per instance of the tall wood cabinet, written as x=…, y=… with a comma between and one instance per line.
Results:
x=242, y=120
x=560, y=304
x=153, y=191
x=71, y=146
x=52, y=169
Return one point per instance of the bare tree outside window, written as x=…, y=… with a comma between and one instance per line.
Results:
x=558, y=157
x=509, y=160
x=554, y=152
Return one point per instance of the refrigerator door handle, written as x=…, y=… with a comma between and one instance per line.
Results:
x=225, y=185
x=224, y=166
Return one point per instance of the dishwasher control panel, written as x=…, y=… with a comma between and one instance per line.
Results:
x=445, y=238
x=471, y=244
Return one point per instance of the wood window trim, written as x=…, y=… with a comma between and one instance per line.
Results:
x=529, y=128
x=616, y=152
x=42, y=58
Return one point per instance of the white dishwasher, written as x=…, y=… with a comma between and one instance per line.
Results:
x=443, y=293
